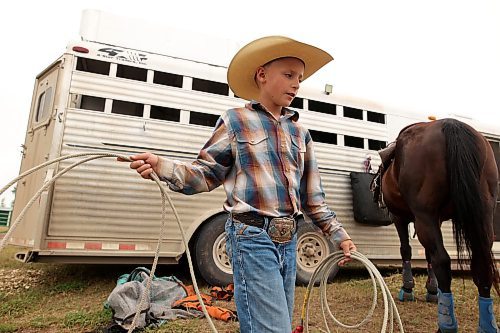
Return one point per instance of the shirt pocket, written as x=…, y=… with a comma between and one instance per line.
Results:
x=298, y=151
x=252, y=148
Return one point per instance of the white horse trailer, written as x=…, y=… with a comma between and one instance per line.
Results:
x=100, y=97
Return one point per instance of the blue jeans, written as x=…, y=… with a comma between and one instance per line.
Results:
x=264, y=278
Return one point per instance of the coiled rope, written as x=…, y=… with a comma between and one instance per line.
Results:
x=322, y=271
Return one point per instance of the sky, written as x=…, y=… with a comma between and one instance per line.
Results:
x=432, y=57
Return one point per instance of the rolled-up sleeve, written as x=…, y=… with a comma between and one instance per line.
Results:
x=209, y=169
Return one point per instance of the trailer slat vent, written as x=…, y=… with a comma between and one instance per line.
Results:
x=322, y=107
x=92, y=66
x=353, y=113
x=132, y=73
x=164, y=113
x=210, y=86
x=324, y=137
x=127, y=108
x=203, y=119
x=168, y=79
x=353, y=141
x=298, y=103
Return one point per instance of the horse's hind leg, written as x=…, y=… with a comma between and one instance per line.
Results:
x=431, y=284
x=429, y=235
x=483, y=279
x=406, y=291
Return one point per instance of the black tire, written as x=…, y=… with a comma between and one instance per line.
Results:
x=312, y=248
x=211, y=260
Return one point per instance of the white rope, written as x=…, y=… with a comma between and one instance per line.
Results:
x=323, y=271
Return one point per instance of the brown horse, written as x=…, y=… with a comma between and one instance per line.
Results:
x=444, y=170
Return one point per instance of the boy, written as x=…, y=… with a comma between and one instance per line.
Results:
x=265, y=160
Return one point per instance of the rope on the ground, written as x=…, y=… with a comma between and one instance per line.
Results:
x=164, y=195
x=322, y=273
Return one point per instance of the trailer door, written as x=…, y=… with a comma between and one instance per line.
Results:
x=36, y=150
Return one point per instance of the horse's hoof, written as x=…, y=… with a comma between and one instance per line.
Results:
x=405, y=296
x=431, y=298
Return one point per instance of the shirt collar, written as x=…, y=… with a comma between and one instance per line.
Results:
x=287, y=113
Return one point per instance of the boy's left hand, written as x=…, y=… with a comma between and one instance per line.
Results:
x=347, y=246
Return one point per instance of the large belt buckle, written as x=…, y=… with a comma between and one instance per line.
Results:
x=281, y=229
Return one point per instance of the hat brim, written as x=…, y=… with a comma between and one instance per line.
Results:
x=243, y=66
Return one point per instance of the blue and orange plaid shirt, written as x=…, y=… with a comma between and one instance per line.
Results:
x=267, y=166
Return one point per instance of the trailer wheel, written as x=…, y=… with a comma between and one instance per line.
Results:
x=211, y=259
x=312, y=249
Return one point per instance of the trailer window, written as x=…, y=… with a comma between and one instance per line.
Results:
x=92, y=66
x=43, y=105
x=353, y=141
x=92, y=103
x=376, y=144
x=127, y=108
x=298, y=103
x=132, y=73
x=168, y=79
x=324, y=137
x=322, y=107
x=164, y=113
x=353, y=113
x=376, y=117
x=203, y=119
x=210, y=87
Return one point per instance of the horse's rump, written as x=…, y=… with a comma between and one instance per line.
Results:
x=446, y=170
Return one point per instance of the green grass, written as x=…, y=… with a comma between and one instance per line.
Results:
x=8, y=328
x=67, y=286
x=19, y=304
x=92, y=319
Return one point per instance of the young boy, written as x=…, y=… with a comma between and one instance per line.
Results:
x=265, y=160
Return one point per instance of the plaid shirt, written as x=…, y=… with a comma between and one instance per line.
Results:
x=267, y=166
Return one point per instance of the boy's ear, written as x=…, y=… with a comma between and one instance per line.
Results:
x=260, y=75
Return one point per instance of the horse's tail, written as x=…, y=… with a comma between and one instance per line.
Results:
x=471, y=228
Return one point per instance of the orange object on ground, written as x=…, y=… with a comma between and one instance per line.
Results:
x=224, y=294
x=191, y=302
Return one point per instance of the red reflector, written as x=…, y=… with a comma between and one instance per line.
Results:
x=93, y=246
x=127, y=247
x=56, y=245
x=80, y=49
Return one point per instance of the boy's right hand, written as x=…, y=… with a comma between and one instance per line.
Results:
x=144, y=164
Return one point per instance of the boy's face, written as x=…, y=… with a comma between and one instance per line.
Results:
x=279, y=81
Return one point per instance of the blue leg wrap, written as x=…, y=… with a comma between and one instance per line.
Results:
x=446, y=313
x=404, y=295
x=408, y=281
x=487, y=322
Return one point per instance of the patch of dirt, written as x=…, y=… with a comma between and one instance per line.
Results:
x=16, y=280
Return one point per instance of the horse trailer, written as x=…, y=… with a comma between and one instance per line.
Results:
x=103, y=95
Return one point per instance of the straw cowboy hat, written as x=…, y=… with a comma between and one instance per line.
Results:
x=242, y=69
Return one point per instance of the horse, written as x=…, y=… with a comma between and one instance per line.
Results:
x=445, y=170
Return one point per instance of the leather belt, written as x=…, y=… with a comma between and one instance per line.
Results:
x=252, y=219
x=279, y=229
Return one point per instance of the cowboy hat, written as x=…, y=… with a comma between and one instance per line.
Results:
x=242, y=69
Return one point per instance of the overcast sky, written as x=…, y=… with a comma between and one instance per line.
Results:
x=436, y=57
